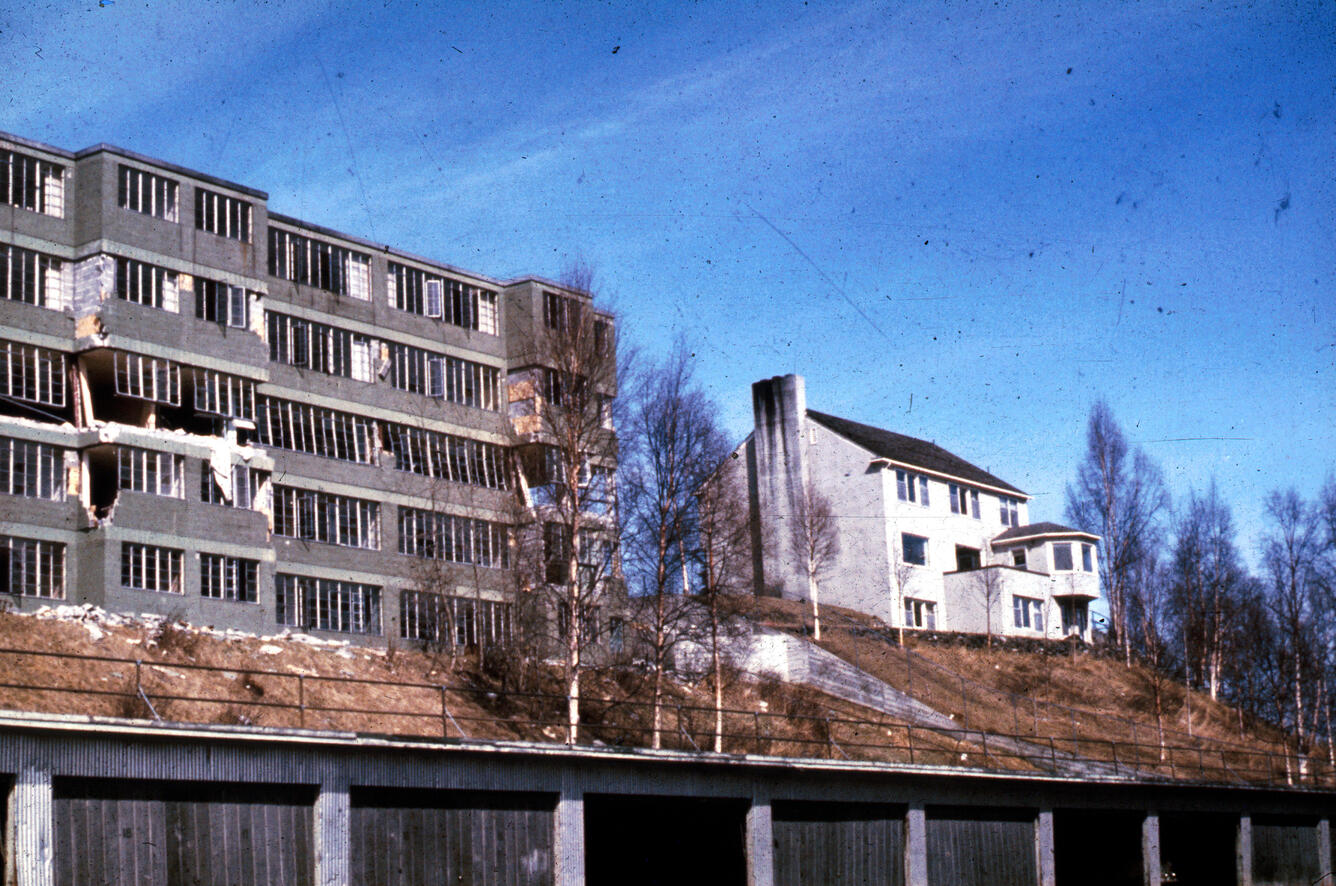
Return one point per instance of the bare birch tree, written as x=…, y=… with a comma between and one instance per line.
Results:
x=1119, y=494
x=815, y=542
x=725, y=549
x=1291, y=550
x=671, y=443
x=987, y=584
x=574, y=384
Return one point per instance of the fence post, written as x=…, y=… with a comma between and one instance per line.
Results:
x=301, y=700
x=1053, y=754
x=909, y=740
x=445, y=733
x=1113, y=751
x=830, y=741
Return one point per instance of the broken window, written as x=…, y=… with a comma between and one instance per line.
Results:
x=1009, y=511
x=30, y=373
x=218, y=393
x=243, y=491
x=228, y=578
x=303, y=428
x=561, y=313
x=148, y=378
x=222, y=215
x=34, y=278
x=312, y=345
x=436, y=375
x=146, y=284
x=149, y=193
x=316, y=263
x=30, y=469
x=151, y=568
x=911, y=487
x=460, y=304
x=915, y=549
x=459, y=459
x=32, y=567
x=144, y=470
x=1027, y=613
x=33, y=184
x=461, y=621
x=222, y=303
x=589, y=618
x=452, y=538
x=327, y=518
x=326, y=605
x=920, y=614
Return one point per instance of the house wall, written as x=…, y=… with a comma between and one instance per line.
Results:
x=871, y=573
x=860, y=577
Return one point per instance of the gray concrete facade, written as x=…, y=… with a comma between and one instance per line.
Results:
x=347, y=348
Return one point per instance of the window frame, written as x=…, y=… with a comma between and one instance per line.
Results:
x=920, y=543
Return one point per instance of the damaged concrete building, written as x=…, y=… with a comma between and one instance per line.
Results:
x=218, y=412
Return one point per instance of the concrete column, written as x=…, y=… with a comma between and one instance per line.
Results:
x=333, y=815
x=1150, y=849
x=1244, y=851
x=569, y=838
x=760, y=838
x=916, y=846
x=1043, y=847
x=29, y=841
x=1323, y=851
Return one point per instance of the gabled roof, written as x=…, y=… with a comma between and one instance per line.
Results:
x=1037, y=530
x=909, y=451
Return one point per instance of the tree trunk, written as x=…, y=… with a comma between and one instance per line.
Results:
x=812, y=591
x=656, y=736
x=716, y=665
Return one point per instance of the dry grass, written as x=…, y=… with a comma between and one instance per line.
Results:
x=192, y=676
x=1080, y=700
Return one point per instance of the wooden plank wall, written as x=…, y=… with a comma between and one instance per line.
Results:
x=1284, y=853
x=115, y=833
x=840, y=844
x=980, y=847
x=412, y=838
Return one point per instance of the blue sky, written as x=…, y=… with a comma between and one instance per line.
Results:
x=963, y=222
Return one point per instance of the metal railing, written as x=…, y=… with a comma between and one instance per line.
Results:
x=142, y=689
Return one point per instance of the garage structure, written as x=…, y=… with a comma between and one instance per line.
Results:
x=112, y=802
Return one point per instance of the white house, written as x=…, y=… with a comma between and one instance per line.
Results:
x=926, y=539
